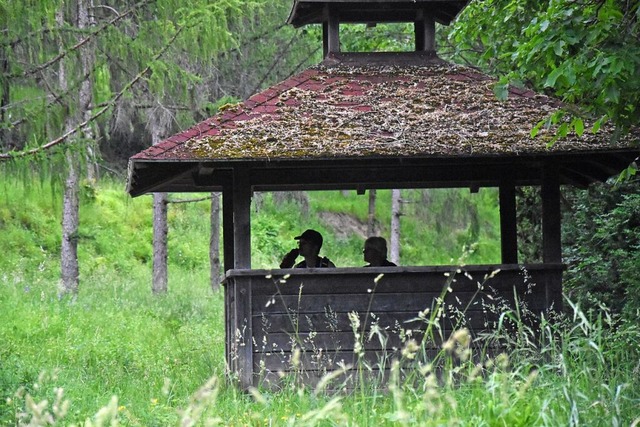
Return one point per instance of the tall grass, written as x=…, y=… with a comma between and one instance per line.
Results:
x=160, y=363
x=117, y=355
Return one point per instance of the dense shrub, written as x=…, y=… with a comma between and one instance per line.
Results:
x=601, y=236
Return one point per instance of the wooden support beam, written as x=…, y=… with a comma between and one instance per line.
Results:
x=330, y=31
x=241, y=218
x=551, y=219
x=508, y=223
x=425, y=32
x=243, y=331
x=228, y=242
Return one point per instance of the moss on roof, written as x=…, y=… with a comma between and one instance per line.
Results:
x=346, y=111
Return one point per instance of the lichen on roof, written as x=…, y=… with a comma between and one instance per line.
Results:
x=346, y=111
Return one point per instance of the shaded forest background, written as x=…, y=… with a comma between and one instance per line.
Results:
x=85, y=84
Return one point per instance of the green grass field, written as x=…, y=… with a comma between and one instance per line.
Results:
x=118, y=355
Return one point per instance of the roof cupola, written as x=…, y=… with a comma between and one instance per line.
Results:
x=331, y=13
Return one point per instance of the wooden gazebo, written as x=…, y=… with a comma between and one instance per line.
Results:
x=369, y=121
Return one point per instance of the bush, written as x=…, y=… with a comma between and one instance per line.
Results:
x=602, y=247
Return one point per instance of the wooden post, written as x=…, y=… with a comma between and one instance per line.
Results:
x=227, y=227
x=551, y=227
x=425, y=32
x=508, y=223
x=237, y=249
x=242, y=331
x=214, y=242
x=236, y=220
x=551, y=232
x=330, y=31
x=241, y=218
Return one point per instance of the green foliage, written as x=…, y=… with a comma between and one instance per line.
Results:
x=155, y=352
x=586, y=52
x=166, y=56
x=118, y=354
x=602, y=247
x=115, y=233
x=437, y=226
x=381, y=38
x=115, y=339
x=529, y=219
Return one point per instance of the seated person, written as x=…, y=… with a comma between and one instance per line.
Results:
x=375, y=252
x=309, y=244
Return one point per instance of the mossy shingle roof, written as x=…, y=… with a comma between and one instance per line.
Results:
x=398, y=108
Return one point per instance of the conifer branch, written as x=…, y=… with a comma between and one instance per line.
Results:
x=78, y=45
x=125, y=89
x=275, y=62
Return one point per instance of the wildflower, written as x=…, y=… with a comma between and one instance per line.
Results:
x=357, y=348
x=354, y=319
x=410, y=349
x=475, y=373
x=462, y=336
x=425, y=369
x=121, y=408
x=502, y=360
x=154, y=401
x=295, y=358
x=449, y=345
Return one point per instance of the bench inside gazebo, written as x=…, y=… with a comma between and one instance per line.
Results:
x=376, y=121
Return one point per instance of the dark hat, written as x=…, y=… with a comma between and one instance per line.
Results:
x=312, y=236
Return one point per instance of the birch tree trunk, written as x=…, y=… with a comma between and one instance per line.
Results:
x=396, y=212
x=69, y=269
x=371, y=219
x=214, y=242
x=5, y=99
x=160, y=232
x=70, y=219
x=87, y=62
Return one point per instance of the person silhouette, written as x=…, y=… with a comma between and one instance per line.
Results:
x=375, y=252
x=309, y=244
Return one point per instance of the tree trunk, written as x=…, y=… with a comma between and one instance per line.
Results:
x=69, y=269
x=371, y=219
x=5, y=99
x=70, y=219
x=396, y=212
x=214, y=242
x=160, y=231
x=87, y=61
x=301, y=198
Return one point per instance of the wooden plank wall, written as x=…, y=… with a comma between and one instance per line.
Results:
x=314, y=321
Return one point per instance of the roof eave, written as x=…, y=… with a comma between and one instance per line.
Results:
x=306, y=12
x=435, y=171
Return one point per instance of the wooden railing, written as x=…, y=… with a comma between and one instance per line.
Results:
x=313, y=321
